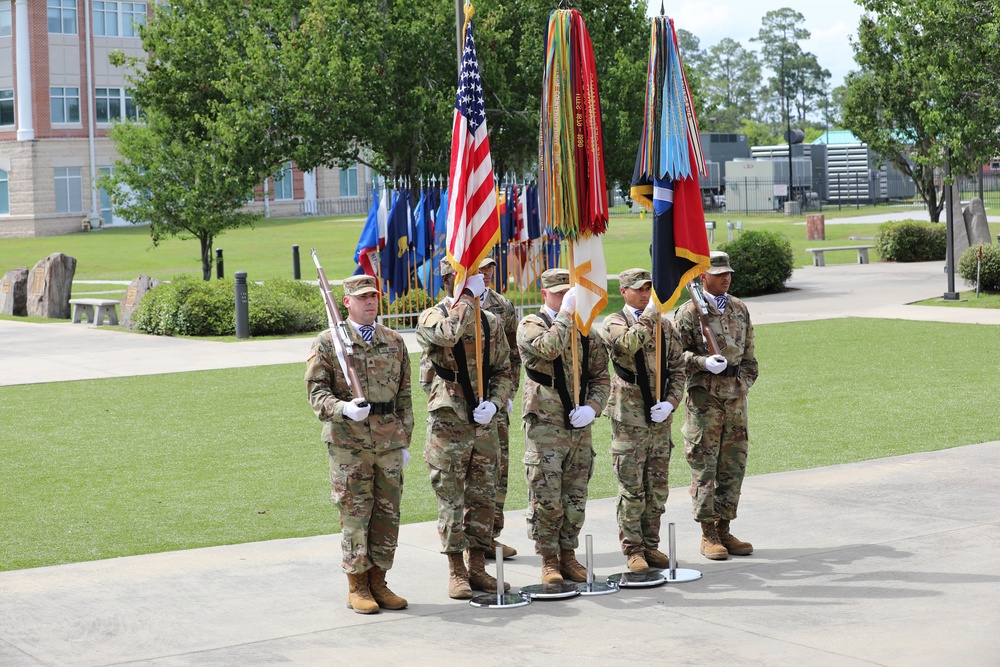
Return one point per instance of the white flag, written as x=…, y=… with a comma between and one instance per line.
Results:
x=590, y=273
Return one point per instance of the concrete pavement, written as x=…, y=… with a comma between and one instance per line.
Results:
x=884, y=562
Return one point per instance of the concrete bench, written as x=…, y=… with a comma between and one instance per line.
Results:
x=818, y=259
x=85, y=307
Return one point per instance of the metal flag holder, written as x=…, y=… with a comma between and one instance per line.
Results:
x=500, y=599
x=656, y=577
x=592, y=587
x=558, y=590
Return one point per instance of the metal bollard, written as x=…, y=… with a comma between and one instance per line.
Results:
x=219, y=273
x=710, y=226
x=296, y=270
x=242, y=306
x=729, y=230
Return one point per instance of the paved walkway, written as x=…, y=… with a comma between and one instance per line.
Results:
x=884, y=562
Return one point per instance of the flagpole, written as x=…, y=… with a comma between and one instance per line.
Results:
x=479, y=352
x=576, y=355
x=659, y=352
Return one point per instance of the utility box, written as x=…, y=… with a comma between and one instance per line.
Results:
x=762, y=185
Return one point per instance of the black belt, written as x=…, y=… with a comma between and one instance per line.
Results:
x=445, y=373
x=624, y=373
x=731, y=371
x=540, y=378
x=383, y=408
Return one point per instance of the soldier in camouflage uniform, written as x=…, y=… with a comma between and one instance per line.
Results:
x=462, y=449
x=715, y=426
x=500, y=306
x=559, y=454
x=640, y=422
x=367, y=442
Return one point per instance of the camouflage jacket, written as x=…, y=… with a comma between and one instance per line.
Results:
x=624, y=336
x=501, y=306
x=540, y=346
x=384, y=370
x=438, y=334
x=734, y=334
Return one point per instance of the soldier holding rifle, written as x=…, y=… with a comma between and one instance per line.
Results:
x=358, y=383
x=717, y=338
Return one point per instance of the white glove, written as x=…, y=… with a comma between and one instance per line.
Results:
x=510, y=405
x=582, y=416
x=661, y=411
x=651, y=310
x=406, y=457
x=353, y=410
x=569, y=301
x=476, y=285
x=484, y=413
x=716, y=363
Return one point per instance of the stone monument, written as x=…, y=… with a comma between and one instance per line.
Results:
x=14, y=292
x=976, y=225
x=137, y=289
x=816, y=227
x=50, y=284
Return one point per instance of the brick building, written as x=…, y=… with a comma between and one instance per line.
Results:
x=58, y=97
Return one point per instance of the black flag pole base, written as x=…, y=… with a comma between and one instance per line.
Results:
x=500, y=599
x=592, y=587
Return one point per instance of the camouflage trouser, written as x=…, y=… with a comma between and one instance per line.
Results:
x=503, y=468
x=462, y=459
x=641, y=459
x=367, y=488
x=558, y=464
x=715, y=441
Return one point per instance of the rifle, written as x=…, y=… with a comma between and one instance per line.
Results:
x=339, y=332
x=702, y=309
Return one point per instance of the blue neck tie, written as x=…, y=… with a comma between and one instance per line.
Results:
x=721, y=301
x=367, y=331
x=638, y=313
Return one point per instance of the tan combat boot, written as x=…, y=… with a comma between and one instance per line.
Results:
x=636, y=562
x=359, y=597
x=570, y=567
x=479, y=578
x=458, y=578
x=733, y=545
x=508, y=552
x=657, y=559
x=385, y=598
x=711, y=548
x=550, y=570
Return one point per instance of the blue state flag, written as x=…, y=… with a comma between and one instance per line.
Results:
x=368, y=241
x=395, y=257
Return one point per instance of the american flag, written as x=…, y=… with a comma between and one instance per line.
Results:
x=473, y=224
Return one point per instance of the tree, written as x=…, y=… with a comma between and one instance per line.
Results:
x=181, y=185
x=923, y=94
x=798, y=77
x=731, y=86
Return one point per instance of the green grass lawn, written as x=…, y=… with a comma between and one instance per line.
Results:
x=265, y=251
x=966, y=300
x=115, y=467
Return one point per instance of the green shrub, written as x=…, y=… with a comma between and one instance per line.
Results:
x=188, y=306
x=762, y=262
x=911, y=241
x=989, y=276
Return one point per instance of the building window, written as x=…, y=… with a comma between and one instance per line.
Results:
x=283, y=183
x=349, y=181
x=109, y=102
x=65, y=105
x=62, y=17
x=5, y=23
x=4, y=194
x=107, y=211
x=114, y=19
x=69, y=190
x=6, y=107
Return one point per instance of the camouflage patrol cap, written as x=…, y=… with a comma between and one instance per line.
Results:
x=555, y=280
x=358, y=285
x=487, y=262
x=720, y=263
x=634, y=278
x=446, y=268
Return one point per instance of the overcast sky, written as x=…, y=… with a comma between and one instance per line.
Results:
x=831, y=22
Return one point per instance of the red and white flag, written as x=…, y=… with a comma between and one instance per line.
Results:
x=473, y=224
